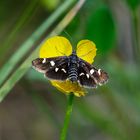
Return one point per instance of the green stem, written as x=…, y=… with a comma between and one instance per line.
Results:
x=136, y=35
x=67, y=117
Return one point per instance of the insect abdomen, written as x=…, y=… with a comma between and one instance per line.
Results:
x=72, y=73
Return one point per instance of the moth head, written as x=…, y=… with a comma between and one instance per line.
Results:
x=37, y=61
x=38, y=65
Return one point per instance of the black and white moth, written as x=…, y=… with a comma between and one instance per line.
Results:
x=71, y=68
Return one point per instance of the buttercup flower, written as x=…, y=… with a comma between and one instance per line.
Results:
x=60, y=46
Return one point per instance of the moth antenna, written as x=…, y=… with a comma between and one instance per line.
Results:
x=70, y=38
x=60, y=51
x=87, y=52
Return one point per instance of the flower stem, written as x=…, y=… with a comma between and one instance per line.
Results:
x=67, y=117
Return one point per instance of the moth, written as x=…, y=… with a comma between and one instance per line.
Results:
x=71, y=68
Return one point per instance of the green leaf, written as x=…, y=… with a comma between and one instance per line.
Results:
x=133, y=4
x=101, y=29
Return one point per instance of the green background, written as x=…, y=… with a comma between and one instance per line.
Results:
x=33, y=109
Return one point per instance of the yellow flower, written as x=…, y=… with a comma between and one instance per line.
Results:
x=59, y=46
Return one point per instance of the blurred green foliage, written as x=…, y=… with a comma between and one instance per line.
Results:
x=133, y=3
x=50, y=4
x=33, y=108
x=101, y=28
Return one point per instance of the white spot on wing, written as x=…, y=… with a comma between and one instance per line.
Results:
x=56, y=69
x=87, y=75
x=64, y=70
x=91, y=71
x=52, y=63
x=44, y=60
x=99, y=71
x=81, y=74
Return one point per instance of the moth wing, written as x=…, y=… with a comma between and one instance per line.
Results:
x=54, y=68
x=89, y=76
x=84, y=80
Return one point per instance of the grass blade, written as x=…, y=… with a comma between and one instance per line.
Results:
x=22, y=21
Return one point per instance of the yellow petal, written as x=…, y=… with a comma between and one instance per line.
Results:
x=86, y=50
x=55, y=46
x=67, y=87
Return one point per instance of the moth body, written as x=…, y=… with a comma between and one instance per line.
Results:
x=71, y=68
